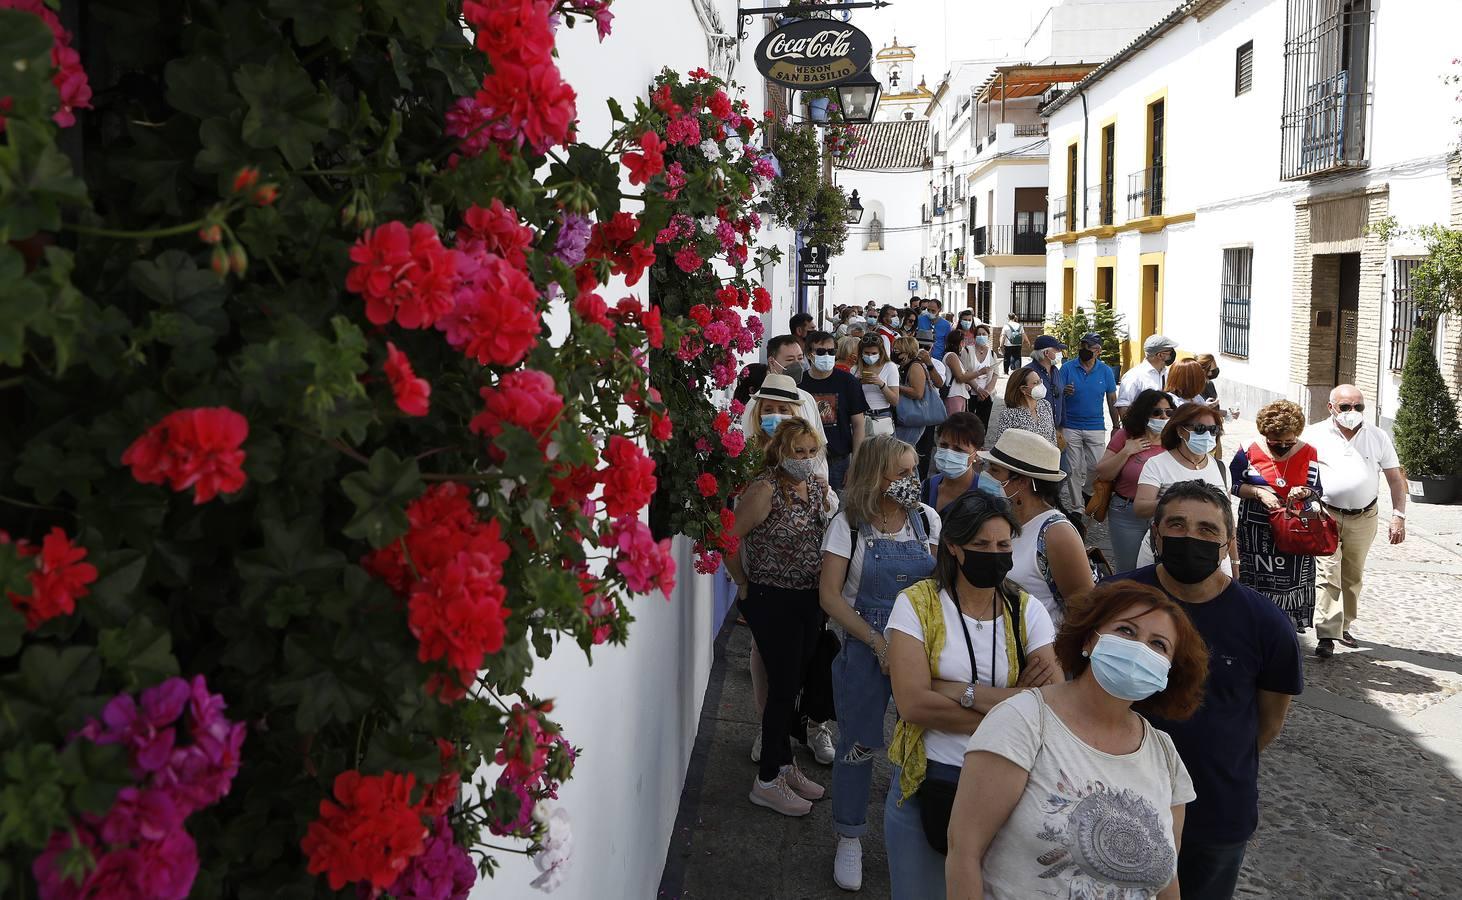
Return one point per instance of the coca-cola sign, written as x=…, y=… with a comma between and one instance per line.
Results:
x=813, y=53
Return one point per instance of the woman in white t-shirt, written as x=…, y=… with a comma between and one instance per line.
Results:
x=881, y=543
x=959, y=643
x=971, y=365
x=1190, y=437
x=880, y=379
x=1068, y=791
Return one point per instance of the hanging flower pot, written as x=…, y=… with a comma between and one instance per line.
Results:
x=817, y=109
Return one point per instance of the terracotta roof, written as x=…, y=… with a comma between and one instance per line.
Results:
x=901, y=144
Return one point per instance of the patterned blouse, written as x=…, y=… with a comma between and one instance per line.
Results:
x=785, y=551
x=1042, y=423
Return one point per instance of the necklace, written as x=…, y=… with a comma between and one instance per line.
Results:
x=1191, y=463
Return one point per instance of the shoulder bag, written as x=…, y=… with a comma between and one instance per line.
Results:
x=1101, y=499
x=923, y=411
x=1296, y=530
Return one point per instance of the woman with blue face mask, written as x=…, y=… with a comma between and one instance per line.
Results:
x=955, y=469
x=1067, y=790
x=1132, y=445
x=971, y=363
x=880, y=380
x=1190, y=440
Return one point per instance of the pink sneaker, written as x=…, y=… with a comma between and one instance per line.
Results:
x=801, y=785
x=778, y=797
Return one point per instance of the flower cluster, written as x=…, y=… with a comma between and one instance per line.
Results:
x=536, y=760
x=412, y=394
x=441, y=871
x=58, y=580
x=449, y=566
x=369, y=833
x=197, y=448
x=141, y=846
x=555, y=848
x=70, y=79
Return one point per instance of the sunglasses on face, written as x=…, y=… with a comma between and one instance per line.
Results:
x=1347, y=407
x=1203, y=429
x=1162, y=413
x=825, y=352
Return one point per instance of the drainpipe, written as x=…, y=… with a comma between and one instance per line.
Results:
x=1085, y=152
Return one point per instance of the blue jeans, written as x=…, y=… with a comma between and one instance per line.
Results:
x=837, y=470
x=860, y=693
x=1210, y=871
x=910, y=433
x=915, y=869
x=1127, y=532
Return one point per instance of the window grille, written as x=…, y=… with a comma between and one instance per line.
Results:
x=1238, y=273
x=1327, y=94
x=1244, y=68
x=1028, y=302
x=1403, y=310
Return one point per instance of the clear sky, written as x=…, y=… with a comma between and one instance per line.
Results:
x=945, y=32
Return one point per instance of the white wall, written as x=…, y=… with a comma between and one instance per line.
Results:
x=860, y=275
x=635, y=711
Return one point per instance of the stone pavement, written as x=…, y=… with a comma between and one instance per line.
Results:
x=1360, y=796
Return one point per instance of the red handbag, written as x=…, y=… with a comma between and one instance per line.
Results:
x=1297, y=531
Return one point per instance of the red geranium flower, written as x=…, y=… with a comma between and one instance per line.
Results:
x=654, y=329
x=412, y=393
x=707, y=485
x=592, y=308
x=197, y=448
x=643, y=166
x=661, y=428
x=629, y=481
x=526, y=398
x=403, y=274
x=688, y=260
x=58, y=580
x=369, y=835
x=495, y=229
x=495, y=320
x=572, y=485
x=761, y=301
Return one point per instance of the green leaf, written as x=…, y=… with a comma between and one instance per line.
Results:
x=36, y=181
x=380, y=495
x=315, y=20
x=25, y=45
x=321, y=694
x=292, y=555
x=50, y=673
x=97, y=772
x=198, y=85
x=141, y=651
x=111, y=599
x=23, y=301
x=524, y=460
x=286, y=109
x=419, y=20
x=33, y=799
x=12, y=630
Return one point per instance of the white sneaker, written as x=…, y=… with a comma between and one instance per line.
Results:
x=756, y=748
x=820, y=742
x=779, y=797
x=848, y=864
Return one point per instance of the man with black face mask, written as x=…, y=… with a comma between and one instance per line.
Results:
x=1254, y=669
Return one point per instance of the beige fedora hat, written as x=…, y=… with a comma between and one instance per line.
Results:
x=1027, y=453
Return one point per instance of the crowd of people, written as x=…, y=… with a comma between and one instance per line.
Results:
x=1068, y=722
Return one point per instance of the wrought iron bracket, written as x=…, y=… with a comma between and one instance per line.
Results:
x=745, y=16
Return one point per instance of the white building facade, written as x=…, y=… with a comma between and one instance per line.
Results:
x=1221, y=186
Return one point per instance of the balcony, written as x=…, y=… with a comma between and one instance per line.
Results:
x=1145, y=195
x=1057, y=215
x=1327, y=106
x=1008, y=137
x=1100, y=209
x=1008, y=240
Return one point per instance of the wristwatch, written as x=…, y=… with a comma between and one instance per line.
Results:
x=968, y=699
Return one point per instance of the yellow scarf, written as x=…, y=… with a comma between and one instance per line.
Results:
x=907, y=749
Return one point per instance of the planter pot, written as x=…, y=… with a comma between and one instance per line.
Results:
x=817, y=109
x=1434, y=490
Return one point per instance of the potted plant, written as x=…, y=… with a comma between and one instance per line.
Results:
x=1101, y=319
x=1428, y=438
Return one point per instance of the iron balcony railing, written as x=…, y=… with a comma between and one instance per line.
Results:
x=1099, y=207
x=1010, y=240
x=1057, y=214
x=1328, y=53
x=1037, y=130
x=1145, y=193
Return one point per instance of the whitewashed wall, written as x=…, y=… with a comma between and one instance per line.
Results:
x=636, y=710
x=1222, y=163
x=861, y=275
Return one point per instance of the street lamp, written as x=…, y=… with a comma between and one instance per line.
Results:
x=858, y=98
x=855, y=209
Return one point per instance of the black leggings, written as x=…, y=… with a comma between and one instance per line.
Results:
x=786, y=625
x=982, y=408
x=1012, y=358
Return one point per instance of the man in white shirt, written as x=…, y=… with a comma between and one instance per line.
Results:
x=1352, y=452
x=785, y=357
x=1148, y=374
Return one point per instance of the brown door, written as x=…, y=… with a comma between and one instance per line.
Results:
x=1347, y=336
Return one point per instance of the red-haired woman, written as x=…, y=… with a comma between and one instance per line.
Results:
x=1068, y=790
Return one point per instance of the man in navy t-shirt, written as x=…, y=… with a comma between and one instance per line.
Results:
x=1254, y=668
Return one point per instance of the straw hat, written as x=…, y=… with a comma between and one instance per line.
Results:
x=778, y=387
x=1027, y=453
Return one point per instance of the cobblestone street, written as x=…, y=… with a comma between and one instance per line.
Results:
x=1360, y=795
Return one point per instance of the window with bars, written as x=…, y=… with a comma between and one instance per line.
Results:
x=1244, y=68
x=1238, y=273
x=1028, y=302
x=982, y=300
x=1403, y=310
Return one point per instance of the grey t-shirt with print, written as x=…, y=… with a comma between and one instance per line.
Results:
x=1089, y=824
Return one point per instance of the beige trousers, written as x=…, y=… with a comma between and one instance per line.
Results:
x=1339, y=577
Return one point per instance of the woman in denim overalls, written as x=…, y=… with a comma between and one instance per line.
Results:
x=877, y=547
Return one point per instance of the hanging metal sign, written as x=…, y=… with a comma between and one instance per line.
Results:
x=813, y=53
